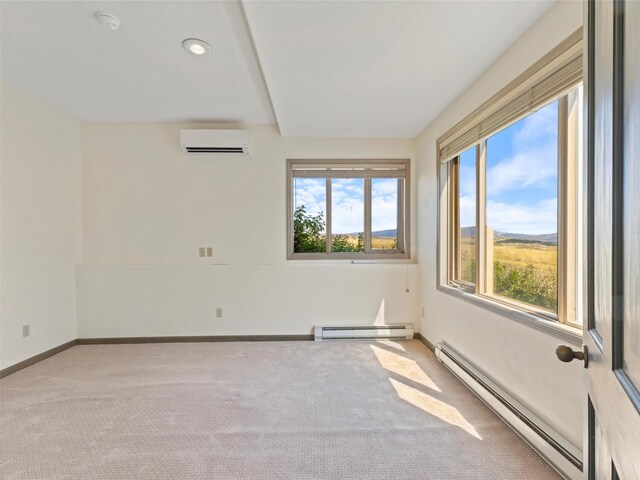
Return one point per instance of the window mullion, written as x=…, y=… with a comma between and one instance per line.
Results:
x=452, y=236
x=367, y=215
x=567, y=159
x=457, y=247
x=484, y=258
x=327, y=227
x=400, y=225
x=560, y=206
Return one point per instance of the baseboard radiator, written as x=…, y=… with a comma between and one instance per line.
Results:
x=563, y=456
x=363, y=332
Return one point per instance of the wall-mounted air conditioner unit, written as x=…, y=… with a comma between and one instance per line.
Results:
x=215, y=142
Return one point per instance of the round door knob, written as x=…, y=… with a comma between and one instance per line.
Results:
x=566, y=354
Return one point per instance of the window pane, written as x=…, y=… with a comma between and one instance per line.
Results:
x=347, y=214
x=521, y=209
x=384, y=214
x=467, y=215
x=309, y=214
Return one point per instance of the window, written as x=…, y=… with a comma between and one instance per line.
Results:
x=509, y=182
x=465, y=217
x=348, y=209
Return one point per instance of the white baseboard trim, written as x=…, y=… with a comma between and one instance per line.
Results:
x=555, y=449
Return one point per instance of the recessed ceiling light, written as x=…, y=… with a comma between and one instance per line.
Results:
x=195, y=46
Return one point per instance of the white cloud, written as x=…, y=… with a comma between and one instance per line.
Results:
x=538, y=218
x=467, y=180
x=347, y=197
x=386, y=186
x=312, y=193
x=532, y=219
x=384, y=213
x=384, y=204
x=536, y=158
x=467, y=211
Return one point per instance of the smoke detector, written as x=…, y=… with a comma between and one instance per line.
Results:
x=107, y=20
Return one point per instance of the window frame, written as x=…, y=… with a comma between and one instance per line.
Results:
x=564, y=324
x=404, y=209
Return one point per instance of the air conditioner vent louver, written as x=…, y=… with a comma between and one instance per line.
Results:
x=214, y=150
x=363, y=332
x=216, y=142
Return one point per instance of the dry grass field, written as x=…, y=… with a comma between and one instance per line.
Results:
x=544, y=258
x=523, y=271
x=377, y=243
x=383, y=243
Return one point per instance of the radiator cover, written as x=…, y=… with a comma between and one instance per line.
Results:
x=363, y=332
x=556, y=450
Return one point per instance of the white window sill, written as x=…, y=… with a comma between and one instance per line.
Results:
x=352, y=258
x=562, y=332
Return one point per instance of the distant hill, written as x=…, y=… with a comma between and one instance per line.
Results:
x=380, y=234
x=468, y=232
x=385, y=233
x=551, y=238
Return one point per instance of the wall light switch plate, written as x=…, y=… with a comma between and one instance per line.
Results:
x=202, y=251
x=25, y=330
x=209, y=251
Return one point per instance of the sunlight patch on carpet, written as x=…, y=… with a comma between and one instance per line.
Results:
x=433, y=406
x=404, y=367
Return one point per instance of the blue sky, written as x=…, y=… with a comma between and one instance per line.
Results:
x=347, y=196
x=522, y=176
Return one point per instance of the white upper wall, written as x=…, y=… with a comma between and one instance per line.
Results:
x=148, y=203
x=518, y=357
x=41, y=226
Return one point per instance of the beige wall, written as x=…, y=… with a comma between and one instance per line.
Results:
x=518, y=357
x=148, y=207
x=41, y=226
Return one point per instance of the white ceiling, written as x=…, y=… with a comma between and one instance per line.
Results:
x=382, y=69
x=368, y=69
x=57, y=52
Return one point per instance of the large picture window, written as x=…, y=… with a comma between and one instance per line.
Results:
x=348, y=209
x=509, y=181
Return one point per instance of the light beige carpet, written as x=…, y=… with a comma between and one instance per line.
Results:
x=272, y=410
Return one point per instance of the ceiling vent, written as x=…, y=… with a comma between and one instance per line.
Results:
x=225, y=142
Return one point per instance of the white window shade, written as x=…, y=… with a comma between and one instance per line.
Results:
x=349, y=169
x=555, y=74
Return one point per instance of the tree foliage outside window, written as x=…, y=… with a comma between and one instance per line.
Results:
x=526, y=284
x=308, y=231
x=342, y=243
x=309, y=234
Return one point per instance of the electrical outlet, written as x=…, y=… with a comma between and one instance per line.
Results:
x=202, y=251
x=422, y=312
x=25, y=330
x=218, y=312
x=209, y=251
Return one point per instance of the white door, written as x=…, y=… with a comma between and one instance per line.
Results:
x=612, y=326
